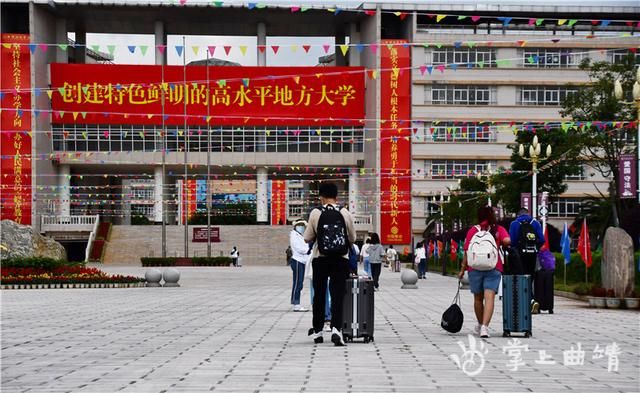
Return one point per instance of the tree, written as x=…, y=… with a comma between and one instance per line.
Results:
x=464, y=203
x=564, y=161
x=602, y=137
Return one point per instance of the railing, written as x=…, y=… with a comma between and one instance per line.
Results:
x=362, y=222
x=69, y=223
x=92, y=237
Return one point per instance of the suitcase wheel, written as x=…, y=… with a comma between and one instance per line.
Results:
x=527, y=334
x=367, y=339
x=506, y=333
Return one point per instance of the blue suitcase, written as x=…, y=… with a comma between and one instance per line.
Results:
x=516, y=305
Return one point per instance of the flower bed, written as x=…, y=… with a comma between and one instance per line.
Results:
x=18, y=273
x=195, y=261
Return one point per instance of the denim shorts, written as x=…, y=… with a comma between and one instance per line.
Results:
x=480, y=280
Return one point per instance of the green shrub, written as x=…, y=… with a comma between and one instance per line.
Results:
x=576, y=269
x=213, y=261
x=38, y=263
x=158, y=261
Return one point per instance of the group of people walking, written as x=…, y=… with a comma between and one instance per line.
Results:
x=323, y=249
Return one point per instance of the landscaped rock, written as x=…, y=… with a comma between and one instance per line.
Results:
x=618, y=271
x=21, y=241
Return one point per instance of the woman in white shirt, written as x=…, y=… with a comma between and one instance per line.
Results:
x=421, y=259
x=298, y=262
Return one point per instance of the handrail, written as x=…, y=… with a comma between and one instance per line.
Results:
x=70, y=220
x=92, y=237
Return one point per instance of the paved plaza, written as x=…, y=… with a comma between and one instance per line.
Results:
x=231, y=330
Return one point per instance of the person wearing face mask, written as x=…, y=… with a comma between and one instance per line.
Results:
x=298, y=262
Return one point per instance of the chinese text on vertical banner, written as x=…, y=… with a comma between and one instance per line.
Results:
x=278, y=202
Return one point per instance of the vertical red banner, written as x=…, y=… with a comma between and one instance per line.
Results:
x=278, y=202
x=189, y=199
x=395, y=143
x=15, y=129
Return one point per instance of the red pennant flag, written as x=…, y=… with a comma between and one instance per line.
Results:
x=453, y=253
x=227, y=49
x=546, y=239
x=584, y=245
x=275, y=49
x=261, y=48
x=431, y=247
x=306, y=48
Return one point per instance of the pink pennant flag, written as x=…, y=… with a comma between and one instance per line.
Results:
x=440, y=68
x=374, y=48
x=326, y=48
x=212, y=49
x=295, y=9
x=43, y=47
x=475, y=18
x=161, y=48
x=423, y=69
x=532, y=21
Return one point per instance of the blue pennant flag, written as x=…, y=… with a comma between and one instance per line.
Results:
x=566, y=245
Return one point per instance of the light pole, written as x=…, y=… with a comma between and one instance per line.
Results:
x=535, y=150
x=636, y=102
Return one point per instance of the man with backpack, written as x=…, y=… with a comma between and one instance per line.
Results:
x=331, y=227
x=527, y=238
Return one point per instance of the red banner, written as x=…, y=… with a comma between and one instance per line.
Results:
x=15, y=129
x=395, y=144
x=278, y=202
x=188, y=200
x=132, y=94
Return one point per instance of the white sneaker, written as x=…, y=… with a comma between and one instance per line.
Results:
x=476, y=329
x=299, y=308
x=484, y=331
x=336, y=338
x=317, y=337
x=327, y=327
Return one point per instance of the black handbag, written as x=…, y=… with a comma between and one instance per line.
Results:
x=453, y=317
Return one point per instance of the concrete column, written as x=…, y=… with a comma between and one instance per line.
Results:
x=160, y=39
x=158, y=205
x=353, y=190
x=81, y=48
x=354, y=38
x=262, y=40
x=64, y=190
x=61, y=38
x=262, y=203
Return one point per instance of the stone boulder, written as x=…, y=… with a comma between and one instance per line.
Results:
x=21, y=241
x=618, y=270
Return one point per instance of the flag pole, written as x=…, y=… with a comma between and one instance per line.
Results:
x=565, y=273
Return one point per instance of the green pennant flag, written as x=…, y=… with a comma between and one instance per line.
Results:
x=63, y=46
x=471, y=44
x=572, y=22
x=111, y=49
x=565, y=127
x=61, y=90
x=531, y=60
x=462, y=17
x=480, y=64
x=539, y=21
x=438, y=45
x=503, y=62
x=96, y=48
x=143, y=49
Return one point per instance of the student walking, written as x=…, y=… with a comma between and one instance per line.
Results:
x=364, y=256
x=331, y=228
x=376, y=256
x=421, y=259
x=298, y=262
x=235, y=254
x=527, y=238
x=392, y=258
x=482, y=247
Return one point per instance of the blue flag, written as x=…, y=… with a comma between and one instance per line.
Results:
x=566, y=245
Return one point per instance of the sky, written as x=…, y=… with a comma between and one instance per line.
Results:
x=286, y=55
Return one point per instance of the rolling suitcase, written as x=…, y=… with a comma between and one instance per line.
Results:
x=543, y=289
x=516, y=305
x=358, y=309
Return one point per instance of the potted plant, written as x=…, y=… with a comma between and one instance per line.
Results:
x=632, y=302
x=598, y=297
x=612, y=300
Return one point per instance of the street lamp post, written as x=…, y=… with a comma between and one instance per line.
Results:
x=535, y=150
x=636, y=102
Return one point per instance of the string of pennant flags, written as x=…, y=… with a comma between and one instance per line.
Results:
x=344, y=48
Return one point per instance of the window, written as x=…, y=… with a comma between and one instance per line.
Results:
x=552, y=58
x=451, y=169
x=460, y=95
x=577, y=176
x=295, y=211
x=142, y=210
x=296, y=194
x=618, y=56
x=545, y=95
x=431, y=206
x=465, y=57
x=565, y=207
x=460, y=132
x=125, y=138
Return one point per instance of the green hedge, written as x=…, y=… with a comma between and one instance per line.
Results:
x=576, y=268
x=38, y=263
x=196, y=261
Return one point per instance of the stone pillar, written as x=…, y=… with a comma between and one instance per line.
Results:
x=353, y=190
x=81, y=48
x=64, y=190
x=262, y=204
x=61, y=38
x=618, y=266
x=160, y=39
x=262, y=40
x=354, y=38
x=158, y=205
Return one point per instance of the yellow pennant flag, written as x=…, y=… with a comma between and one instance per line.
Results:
x=296, y=79
x=243, y=49
x=344, y=49
x=49, y=93
x=561, y=22
x=149, y=116
x=294, y=48
x=195, y=49
x=75, y=115
x=440, y=17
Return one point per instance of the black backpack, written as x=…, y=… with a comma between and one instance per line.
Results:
x=453, y=318
x=289, y=253
x=332, y=232
x=527, y=239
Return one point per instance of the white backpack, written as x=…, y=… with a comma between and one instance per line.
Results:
x=483, y=251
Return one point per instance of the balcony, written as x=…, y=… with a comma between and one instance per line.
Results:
x=68, y=223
